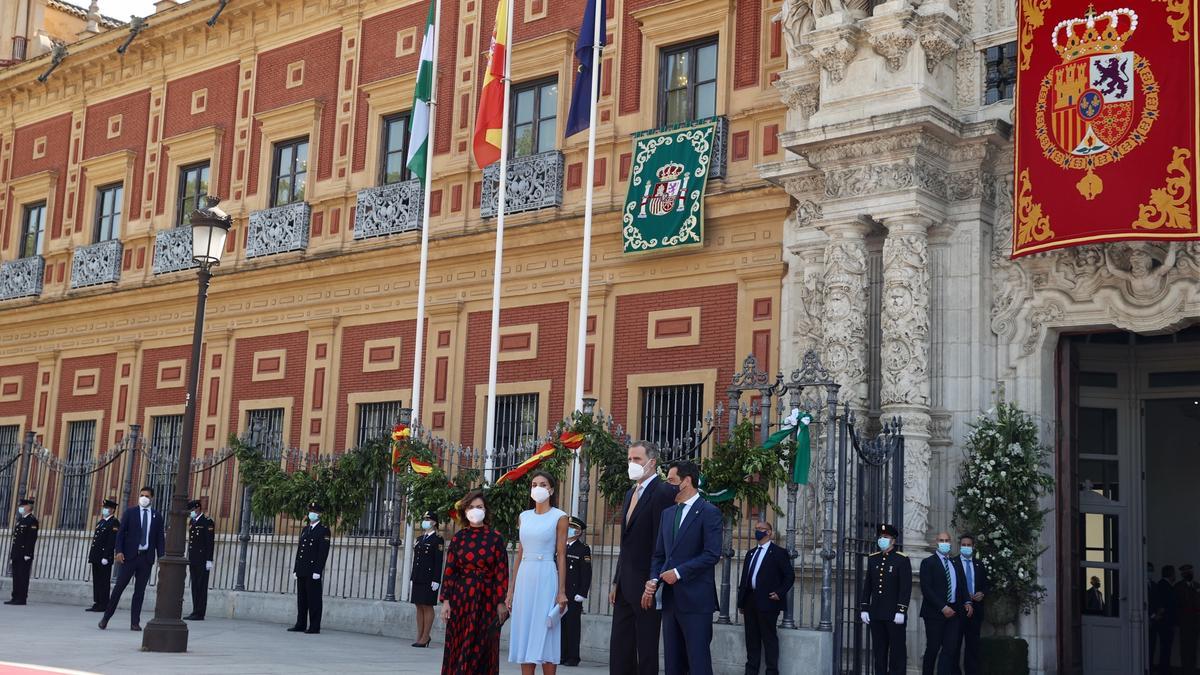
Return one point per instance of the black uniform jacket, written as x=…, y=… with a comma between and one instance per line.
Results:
x=579, y=569
x=202, y=533
x=887, y=585
x=104, y=540
x=312, y=550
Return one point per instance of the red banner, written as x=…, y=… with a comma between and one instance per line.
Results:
x=1106, y=122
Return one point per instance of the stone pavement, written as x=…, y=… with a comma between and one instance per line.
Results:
x=65, y=636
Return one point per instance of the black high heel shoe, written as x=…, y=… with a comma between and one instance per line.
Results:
x=424, y=644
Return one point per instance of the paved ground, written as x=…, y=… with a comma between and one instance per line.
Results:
x=67, y=637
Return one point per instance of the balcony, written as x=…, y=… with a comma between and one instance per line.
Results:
x=720, y=151
x=534, y=182
x=278, y=230
x=389, y=209
x=21, y=278
x=173, y=250
x=97, y=264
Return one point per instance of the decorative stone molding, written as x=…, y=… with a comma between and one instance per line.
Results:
x=278, y=230
x=21, y=278
x=905, y=314
x=173, y=250
x=99, y=263
x=918, y=458
x=389, y=209
x=941, y=424
x=796, y=18
x=893, y=46
x=876, y=178
x=807, y=300
x=534, y=182
x=834, y=48
x=941, y=34
x=845, y=309
x=803, y=97
x=936, y=47
x=967, y=70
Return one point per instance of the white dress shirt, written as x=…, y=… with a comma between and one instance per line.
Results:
x=686, y=506
x=761, y=554
x=947, y=563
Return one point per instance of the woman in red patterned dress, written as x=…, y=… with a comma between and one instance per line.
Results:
x=474, y=586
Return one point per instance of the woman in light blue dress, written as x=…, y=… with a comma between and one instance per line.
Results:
x=538, y=597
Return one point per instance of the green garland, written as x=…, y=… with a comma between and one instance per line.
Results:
x=740, y=472
x=606, y=454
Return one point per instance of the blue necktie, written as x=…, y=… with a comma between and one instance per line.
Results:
x=970, y=578
x=145, y=530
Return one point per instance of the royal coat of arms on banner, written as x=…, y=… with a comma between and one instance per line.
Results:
x=664, y=207
x=1106, y=123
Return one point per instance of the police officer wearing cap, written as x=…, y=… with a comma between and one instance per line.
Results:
x=579, y=580
x=24, y=533
x=883, y=602
x=311, y=554
x=202, y=533
x=426, y=576
x=100, y=555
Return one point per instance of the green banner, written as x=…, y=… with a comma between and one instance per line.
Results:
x=665, y=205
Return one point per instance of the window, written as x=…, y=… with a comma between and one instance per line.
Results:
x=10, y=445
x=193, y=184
x=269, y=423
x=108, y=212
x=534, y=118
x=516, y=420
x=671, y=413
x=394, y=163
x=166, y=436
x=688, y=82
x=75, y=509
x=375, y=421
x=33, y=230
x=1001, y=64
x=289, y=173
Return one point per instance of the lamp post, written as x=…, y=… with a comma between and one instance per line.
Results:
x=167, y=632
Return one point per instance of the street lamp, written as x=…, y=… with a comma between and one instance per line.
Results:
x=167, y=632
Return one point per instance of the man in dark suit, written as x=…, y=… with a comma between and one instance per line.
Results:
x=579, y=581
x=978, y=585
x=883, y=602
x=634, y=643
x=100, y=555
x=25, y=532
x=202, y=534
x=1163, y=618
x=766, y=578
x=140, y=542
x=943, y=604
x=311, y=553
x=685, y=561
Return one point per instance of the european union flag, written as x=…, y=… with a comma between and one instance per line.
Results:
x=580, y=115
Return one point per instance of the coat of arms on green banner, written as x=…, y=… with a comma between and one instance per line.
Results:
x=665, y=205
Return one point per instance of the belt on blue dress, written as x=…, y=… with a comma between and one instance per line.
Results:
x=540, y=556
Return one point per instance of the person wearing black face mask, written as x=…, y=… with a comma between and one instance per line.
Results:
x=767, y=577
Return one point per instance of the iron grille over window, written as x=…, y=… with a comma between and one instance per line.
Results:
x=516, y=420
x=687, y=77
x=108, y=212
x=1001, y=64
x=10, y=445
x=289, y=175
x=270, y=427
x=166, y=437
x=670, y=413
x=375, y=421
x=76, y=506
x=193, y=184
x=534, y=117
x=394, y=163
x=33, y=230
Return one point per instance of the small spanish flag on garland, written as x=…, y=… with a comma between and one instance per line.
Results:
x=569, y=439
x=420, y=467
x=400, y=435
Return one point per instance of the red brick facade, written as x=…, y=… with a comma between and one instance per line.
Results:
x=291, y=385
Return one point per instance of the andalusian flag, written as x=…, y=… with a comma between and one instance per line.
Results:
x=418, y=141
x=796, y=423
x=489, y=119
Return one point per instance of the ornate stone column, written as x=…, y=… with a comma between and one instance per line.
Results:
x=846, y=300
x=905, y=386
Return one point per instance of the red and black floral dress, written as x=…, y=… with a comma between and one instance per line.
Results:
x=474, y=583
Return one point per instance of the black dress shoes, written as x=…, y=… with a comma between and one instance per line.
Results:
x=193, y=617
x=297, y=629
x=14, y=602
x=135, y=627
x=104, y=623
x=94, y=609
x=313, y=631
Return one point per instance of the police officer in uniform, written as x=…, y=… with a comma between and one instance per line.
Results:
x=100, y=555
x=311, y=554
x=883, y=603
x=579, y=580
x=426, y=576
x=202, y=532
x=24, y=537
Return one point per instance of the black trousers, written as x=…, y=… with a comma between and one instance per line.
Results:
x=943, y=637
x=970, y=640
x=889, y=645
x=21, y=569
x=761, y=637
x=686, y=639
x=198, y=577
x=1162, y=640
x=139, y=568
x=634, y=646
x=101, y=584
x=308, y=603
x=570, y=632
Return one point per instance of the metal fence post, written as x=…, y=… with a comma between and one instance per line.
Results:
x=255, y=438
x=829, y=484
x=726, y=526
x=135, y=437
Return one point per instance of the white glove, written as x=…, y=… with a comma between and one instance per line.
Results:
x=28, y=558
x=579, y=598
x=208, y=566
x=316, y=576
x=433, y=585
x=866, y=618
x=104, y=561
x=899, y=619
x=294, y=576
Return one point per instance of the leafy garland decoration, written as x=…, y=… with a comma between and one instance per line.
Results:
x=741, y=472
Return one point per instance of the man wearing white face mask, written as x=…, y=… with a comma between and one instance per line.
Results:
x=202, y=534
x=635, y=631
x=140, y=542
x=311, y=554
x=25, y=533
x=100, y=555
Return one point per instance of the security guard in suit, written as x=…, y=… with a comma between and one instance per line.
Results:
x=202, y=533
x=579, y=580
x=883, y=603
x=100, y=555
x=24, y=533
x=311, y=554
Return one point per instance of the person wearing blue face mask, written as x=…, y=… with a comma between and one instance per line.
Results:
x=100, y=555
x=766, y=578
x=579, y=581
x=883, y=603
x=944, y=604
x=24, y=533
x=978, y=586
x=311, y=554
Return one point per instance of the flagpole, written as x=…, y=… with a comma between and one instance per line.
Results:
x=419, y=347
x=498, y=267
x=586, y=273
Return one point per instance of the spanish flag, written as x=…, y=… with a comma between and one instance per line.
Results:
x=420, y=467
x=570, y=440
x=489, y=119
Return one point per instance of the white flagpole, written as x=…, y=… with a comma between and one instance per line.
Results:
x=585, y=275
x=497, y=269
x=419, y=347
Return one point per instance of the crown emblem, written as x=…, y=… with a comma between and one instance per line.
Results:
x=670, y=171
x=1103, y=33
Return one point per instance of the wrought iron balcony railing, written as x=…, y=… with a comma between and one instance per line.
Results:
x=99, y=263
x=389, y=209
x=534, y=182
x=278, y=230
x=173, y=250
x=21, y=278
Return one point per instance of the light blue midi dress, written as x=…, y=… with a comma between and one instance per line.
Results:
x=530, y=639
